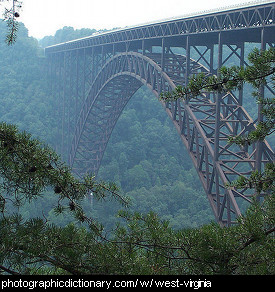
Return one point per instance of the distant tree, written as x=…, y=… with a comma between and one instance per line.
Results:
x=11, y=14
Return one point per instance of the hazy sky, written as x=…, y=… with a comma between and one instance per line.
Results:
x=44, y=17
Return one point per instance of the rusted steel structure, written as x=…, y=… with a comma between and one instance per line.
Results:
x=96, y=76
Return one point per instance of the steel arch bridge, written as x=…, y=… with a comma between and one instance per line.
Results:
x=95, y=77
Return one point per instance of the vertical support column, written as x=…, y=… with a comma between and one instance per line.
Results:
x=76, y=85
x=187, y=73
x=162, y=62
x=54, y=85
x=237, y=126
x=102, y=57
x=63, y=104
x=52, y=77
x=143, y=47
x=114, y=50
x=217, y=132
x=241, y=64
x=93, y=73
x=259, y=144
x=218, y=103
x=50, y=73
x=187, y=60
x=83, y=76
x=211, y=48
x=78, y=90
x=59, y=87
x=127, y=46
x=70, y=96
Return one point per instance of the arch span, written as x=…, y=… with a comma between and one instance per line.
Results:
x=202, y=123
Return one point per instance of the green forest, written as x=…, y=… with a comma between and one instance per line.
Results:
x=146, y=159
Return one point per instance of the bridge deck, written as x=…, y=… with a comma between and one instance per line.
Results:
x=236, y=18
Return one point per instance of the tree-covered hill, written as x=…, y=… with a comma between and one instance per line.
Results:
x=65, y=34
x=23, y=88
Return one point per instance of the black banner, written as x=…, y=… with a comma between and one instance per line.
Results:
x=206, y=283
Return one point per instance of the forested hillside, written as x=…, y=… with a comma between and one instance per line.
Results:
x=23, y=87
x=66, y=34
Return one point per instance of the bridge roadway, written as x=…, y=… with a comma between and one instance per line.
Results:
x=94, y=77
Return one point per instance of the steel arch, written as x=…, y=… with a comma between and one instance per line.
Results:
x=216, y=161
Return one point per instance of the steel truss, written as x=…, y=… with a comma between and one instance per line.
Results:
x=95, y=82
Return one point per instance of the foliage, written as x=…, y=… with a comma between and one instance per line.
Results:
x=146, y=245
x=65, y=34
x=10, y=16
x=210, y=249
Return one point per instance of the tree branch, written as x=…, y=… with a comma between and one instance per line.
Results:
x=253, y=239
x=9, y=270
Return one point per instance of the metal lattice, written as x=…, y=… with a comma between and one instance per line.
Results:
x=96, y=77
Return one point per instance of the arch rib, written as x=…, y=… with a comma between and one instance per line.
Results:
x=121, y=76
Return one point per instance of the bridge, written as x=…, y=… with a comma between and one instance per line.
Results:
x=96, y=76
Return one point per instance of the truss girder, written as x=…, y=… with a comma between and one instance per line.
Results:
x=237, y=19
x=195, y=120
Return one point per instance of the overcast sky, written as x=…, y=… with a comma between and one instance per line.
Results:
x=44, y=17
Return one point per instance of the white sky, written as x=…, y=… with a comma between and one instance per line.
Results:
x=45, y=17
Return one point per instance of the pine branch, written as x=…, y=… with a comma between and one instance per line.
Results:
x=253, y=239
x=9, y=271
x=10, y=16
